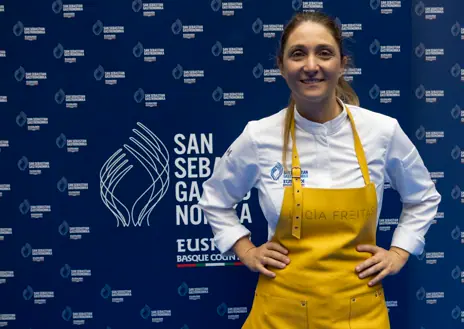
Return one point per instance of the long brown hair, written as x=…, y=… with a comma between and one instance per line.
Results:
x=343, y=90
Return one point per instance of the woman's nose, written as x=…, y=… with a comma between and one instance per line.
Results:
x=311, y=64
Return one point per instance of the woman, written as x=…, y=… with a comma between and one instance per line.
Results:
x=321, y=267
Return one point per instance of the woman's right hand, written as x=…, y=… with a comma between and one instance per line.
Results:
x=268, y=254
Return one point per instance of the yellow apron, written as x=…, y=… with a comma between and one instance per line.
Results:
x=321, y=228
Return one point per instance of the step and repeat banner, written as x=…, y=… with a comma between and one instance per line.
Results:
x=113, y=114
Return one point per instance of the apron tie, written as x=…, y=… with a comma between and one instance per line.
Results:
x=298, y=197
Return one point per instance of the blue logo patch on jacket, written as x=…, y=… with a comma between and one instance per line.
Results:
x=277, y=171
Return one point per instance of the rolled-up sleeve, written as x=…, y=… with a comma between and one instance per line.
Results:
x=408, y=175
x=234, y=176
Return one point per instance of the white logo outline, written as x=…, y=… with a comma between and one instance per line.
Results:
x=155, y=160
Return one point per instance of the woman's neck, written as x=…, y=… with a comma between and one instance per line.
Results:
x=319, y=112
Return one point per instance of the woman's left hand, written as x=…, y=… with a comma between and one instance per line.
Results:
x=384, y=262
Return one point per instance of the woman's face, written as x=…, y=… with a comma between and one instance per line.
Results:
x=311, y=63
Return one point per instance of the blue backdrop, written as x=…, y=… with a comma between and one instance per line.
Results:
x=113, y=113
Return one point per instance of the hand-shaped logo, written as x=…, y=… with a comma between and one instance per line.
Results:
x=216, y=49
x=420, y=133
x=60, y=96
x=26, y=250
x=62, y=184
x=21, y=119
x=19, y=74
x=456, y=273
x=456, y=111
x=296, y=4
x=137, y=5
x=178, y=72
x=257, y=26
x=419, y=8
x=258, y=71
x=67, y=314
x=420, y=294
x=374, y=92
x=18, y=29
x=58, y=51
x=24, y=207
x=183, y=289
x=57, y=6
x=456, y=192
x=145, y=312
x=456, y=152
x=105, y=292
x=455, y=29
x=28, y=293
x=217, y=94
x=277, y=171
x=455, y=70
x=97, y=28
x=374, y=47
x=65, y=271
x=153, y=156
x=139, y=95
x=456, y=313
x=176, y=27
x=63, y=228
x=137, y=51
x=420, y=50
x=456, y=233
x=222, y=309
x=420, y=92
x=61, y=141
x=375, y=4
x=99, y=73
x=23, y=163
x=216, y=5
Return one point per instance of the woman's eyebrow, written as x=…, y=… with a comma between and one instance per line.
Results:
x=300, y=46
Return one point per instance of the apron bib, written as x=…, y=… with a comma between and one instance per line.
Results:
x=321, y=228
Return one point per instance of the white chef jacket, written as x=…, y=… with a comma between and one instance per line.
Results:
x=327, y=160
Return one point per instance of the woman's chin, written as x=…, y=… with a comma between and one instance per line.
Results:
x=313, y=96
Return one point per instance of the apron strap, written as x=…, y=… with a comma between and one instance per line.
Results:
x=297, y=189
x=359, y=150
x=296, y=173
